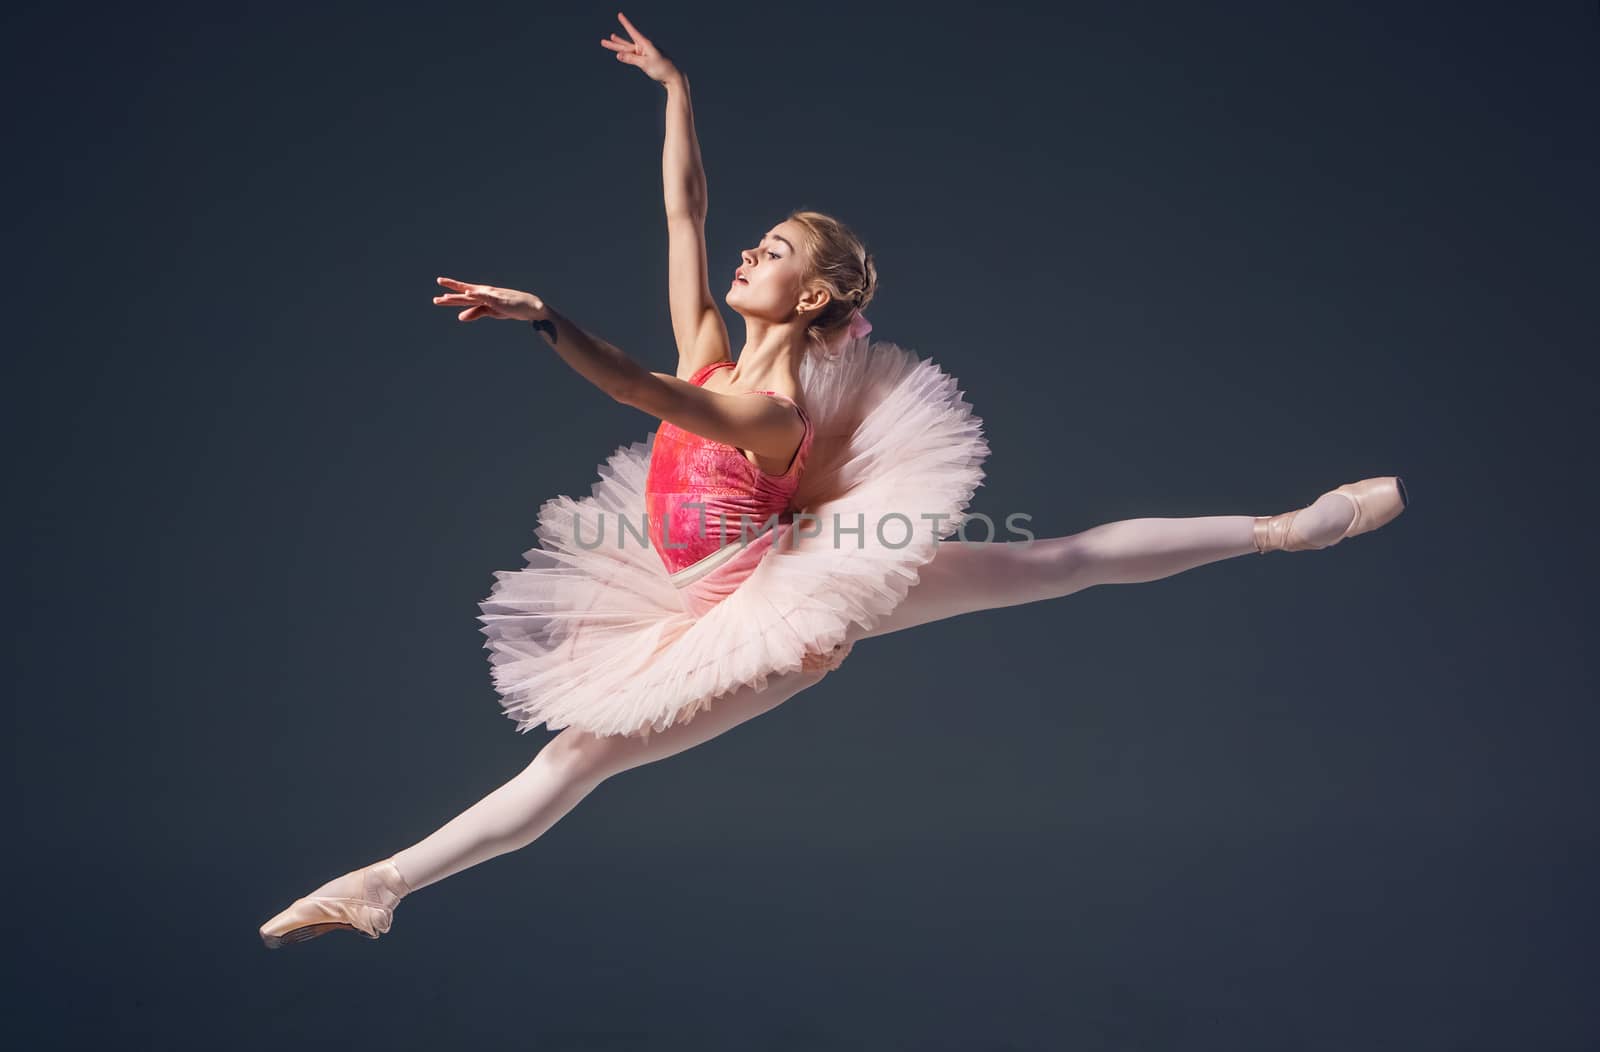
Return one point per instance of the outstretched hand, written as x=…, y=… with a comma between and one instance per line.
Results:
x=488, y=301
x=641, y=52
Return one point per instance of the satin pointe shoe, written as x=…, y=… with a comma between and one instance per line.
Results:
x=1377, y=501
x=315, y=915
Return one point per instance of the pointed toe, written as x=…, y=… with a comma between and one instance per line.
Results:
x=371, y=914
x=1377, y=501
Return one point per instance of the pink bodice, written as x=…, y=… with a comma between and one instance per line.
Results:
x=703, y=549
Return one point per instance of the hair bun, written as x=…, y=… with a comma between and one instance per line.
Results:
x=840, y=263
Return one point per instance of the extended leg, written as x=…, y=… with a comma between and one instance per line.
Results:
x=966, y=577
x=961, y=578
x=566, y=770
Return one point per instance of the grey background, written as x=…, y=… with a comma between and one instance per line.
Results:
x=1185, y=260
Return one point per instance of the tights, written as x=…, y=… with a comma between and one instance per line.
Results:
x=961, y=578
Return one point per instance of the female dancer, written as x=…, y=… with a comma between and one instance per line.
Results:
x=636, y=655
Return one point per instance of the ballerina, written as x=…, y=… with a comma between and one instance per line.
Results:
x=854, y=460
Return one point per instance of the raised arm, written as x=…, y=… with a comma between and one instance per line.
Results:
x=697, y=324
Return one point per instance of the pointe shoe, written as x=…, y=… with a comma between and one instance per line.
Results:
x=1377, y=501
x=371, y=914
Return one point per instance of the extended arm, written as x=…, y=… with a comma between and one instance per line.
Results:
x=750, y=421
x=763, y=425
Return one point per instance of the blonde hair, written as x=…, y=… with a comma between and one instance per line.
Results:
x=838, y=261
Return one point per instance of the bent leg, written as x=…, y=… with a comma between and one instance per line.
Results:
x=965, y=577
x=566, y=770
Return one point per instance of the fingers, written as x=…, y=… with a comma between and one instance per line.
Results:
x=469, y=294
x=474, y=295
x=638, y=37
x=625, y=51
x=479, y=300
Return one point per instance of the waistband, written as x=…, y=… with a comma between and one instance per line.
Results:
x=727, y=553
x=704, y=584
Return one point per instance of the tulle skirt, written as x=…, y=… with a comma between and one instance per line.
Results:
x=593, y=634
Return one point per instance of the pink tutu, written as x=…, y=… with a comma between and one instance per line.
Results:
x=594, y=634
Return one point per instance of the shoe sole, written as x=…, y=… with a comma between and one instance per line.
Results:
x=310, y=931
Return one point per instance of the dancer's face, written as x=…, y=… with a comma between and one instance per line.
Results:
x=769, y=281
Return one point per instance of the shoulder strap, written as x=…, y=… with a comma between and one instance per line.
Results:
x=705, y=371
x=805, y=416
